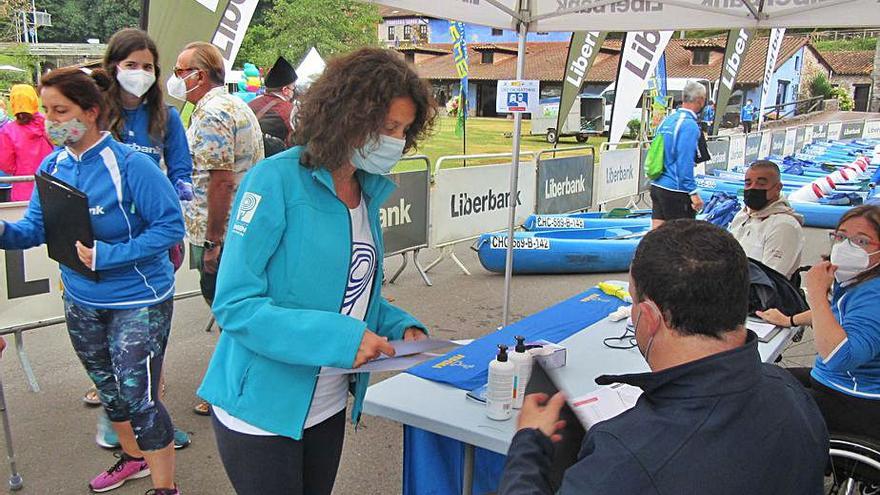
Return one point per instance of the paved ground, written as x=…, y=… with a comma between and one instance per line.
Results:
x=53, y=431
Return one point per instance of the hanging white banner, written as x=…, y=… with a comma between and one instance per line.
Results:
x=872, y=129
x=617, y=175
x=468, y=201
x=641, y=53
x=766, y=142
x=230, y=32
x=736, y=156
x=775, y=43
x=834, y=130
x=808, y=135
x=790, y=139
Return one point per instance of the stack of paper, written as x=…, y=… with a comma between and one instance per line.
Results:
x=407, y=354
x=764, y=331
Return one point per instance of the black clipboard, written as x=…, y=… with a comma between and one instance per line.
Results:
x=66, y=219
x=565, y=452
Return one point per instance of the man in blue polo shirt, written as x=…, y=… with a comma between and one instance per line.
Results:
x=674, y=194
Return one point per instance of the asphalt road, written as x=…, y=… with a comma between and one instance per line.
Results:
x=53, y=431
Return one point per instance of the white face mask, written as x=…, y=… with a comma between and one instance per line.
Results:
x=177, y=87
x=647, y=353
x=850, y=260
x=135, y=81
x=379, y=156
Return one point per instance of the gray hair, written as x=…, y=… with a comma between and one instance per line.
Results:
x=692, y=91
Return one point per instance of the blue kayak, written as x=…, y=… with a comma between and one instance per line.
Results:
x=589, y=220
x=598, y=250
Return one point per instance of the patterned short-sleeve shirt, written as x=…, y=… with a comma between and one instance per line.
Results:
x=223, y=135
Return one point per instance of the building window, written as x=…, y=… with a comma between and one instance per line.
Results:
x=390, y=33
x=423, y=32
x=797, y=63
x=701, y=57
x=497, y=32
x=487, y=57
x=407, y=32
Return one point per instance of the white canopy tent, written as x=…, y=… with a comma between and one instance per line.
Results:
x=310, y=68
x=633, y=15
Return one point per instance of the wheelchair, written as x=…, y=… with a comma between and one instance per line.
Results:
x=853, y=466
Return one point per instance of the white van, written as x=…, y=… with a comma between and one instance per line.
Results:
x=674, y=88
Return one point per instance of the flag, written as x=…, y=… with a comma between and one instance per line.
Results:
x=460, y=57
x=738, y=42
x=582, y=51
x=773, y=47
x=176, y=23
x=641, y=53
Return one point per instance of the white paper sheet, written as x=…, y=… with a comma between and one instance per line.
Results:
x=605, y=403
x=761, y=329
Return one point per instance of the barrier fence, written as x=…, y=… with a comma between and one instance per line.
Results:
x=463, y=203
x=404, y=216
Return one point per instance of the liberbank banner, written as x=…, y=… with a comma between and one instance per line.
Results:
x=582, y=53
x=31, y=281
x=738, y=42
x=176, y=23
x=564, y=184
x=641, y=53
x=469, y=201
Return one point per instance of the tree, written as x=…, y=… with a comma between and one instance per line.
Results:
x=75, y=21
x=10, y=18
x=291, y=27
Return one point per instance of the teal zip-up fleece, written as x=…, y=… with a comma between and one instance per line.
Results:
x=280, y=288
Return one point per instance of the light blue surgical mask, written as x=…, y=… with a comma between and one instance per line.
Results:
x=379, y=155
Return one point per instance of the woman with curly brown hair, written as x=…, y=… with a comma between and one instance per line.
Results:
x=301, y=274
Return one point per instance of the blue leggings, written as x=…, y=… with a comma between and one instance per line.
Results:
x=122, y=351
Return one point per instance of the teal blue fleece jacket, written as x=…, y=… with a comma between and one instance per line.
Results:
x=280, y=288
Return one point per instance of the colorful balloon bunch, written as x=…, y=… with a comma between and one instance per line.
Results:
x=251, y=83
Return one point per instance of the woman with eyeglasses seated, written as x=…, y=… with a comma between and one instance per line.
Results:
x=845, y=380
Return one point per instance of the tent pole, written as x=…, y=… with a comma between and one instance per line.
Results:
x=522, y=29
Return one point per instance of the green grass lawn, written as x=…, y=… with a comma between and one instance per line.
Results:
x=484, y=135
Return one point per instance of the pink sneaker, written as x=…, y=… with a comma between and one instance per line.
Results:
x=126, y=468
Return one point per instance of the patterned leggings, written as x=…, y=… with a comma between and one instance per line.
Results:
x=122, y=351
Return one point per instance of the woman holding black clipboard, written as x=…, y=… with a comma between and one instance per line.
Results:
x=119, y=321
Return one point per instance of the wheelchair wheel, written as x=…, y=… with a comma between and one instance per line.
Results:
x=853, y=467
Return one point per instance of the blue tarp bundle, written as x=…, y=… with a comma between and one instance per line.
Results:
x=467, y=367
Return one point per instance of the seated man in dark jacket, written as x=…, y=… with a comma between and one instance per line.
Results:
x=713, y=418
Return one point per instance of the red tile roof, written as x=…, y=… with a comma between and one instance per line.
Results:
x=855, y=63
x=545, y=61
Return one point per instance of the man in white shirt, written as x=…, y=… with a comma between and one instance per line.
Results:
x=767, y=227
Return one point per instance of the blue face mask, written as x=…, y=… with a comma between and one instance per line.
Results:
x=380, y=155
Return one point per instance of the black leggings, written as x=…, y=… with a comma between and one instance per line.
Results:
x=843, y=413
x=263, y=465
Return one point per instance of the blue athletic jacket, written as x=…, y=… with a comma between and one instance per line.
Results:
x=136, y=217
x=747, y=113
x=726, y=424
x=175, y=148
x=854, y=366
x=708, y=114
x=280, y=288
x=680, y=136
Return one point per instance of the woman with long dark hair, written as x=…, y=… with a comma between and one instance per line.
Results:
x=119, y=323
x=845, y=379
x=139, y=118
x=300, y=281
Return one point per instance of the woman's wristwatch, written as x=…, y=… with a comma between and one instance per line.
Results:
x=209, y=245
x=791, y=321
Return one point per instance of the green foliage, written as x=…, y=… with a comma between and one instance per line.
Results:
x=857, y=44
x=75, y=21
x=634, y=126
x=17, y=57
x=819, y=86
x=291, y=27
x=844, y=98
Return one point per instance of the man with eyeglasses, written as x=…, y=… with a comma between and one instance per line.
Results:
x=767, y=228
x=226, y=141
